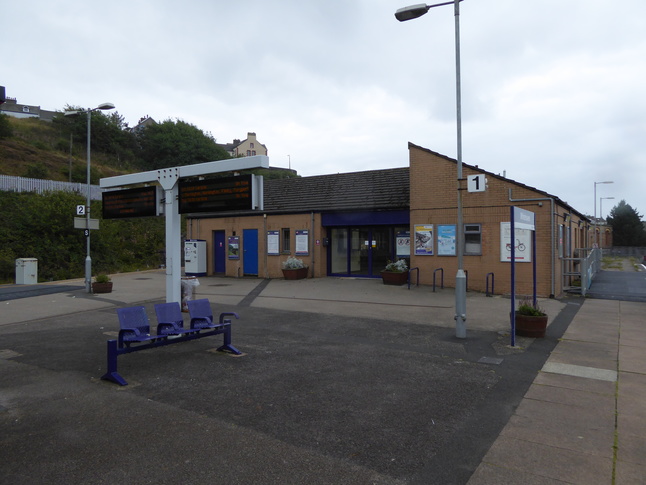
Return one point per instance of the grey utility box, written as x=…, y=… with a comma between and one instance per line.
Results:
x=26, y=271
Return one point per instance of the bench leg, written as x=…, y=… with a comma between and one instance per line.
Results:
x=112, y=374
x=227, y=347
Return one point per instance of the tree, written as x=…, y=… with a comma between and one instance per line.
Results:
x=176, y=143
x=627, y=227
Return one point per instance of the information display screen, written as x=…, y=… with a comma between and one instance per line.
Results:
x=215, y=195
x=139, y=202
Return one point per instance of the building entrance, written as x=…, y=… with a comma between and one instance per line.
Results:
x=360, y=251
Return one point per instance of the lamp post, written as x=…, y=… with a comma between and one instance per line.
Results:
x=413, y=12
x=595, y=241
x=88, y=258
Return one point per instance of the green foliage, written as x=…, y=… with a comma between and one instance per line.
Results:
x=176, y=143
x=41, y=226
x=528, y=308
x=36, y=171
x=6, y=130
x=102, y=278
x=627, y=227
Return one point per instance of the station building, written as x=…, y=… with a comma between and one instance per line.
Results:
x=352, y=224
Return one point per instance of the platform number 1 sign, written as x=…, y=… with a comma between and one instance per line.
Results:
x=476, y=183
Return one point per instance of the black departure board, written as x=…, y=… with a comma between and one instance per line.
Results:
x=139, y=202
x=215, y=195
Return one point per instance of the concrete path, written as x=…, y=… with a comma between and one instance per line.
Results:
x=342, y=381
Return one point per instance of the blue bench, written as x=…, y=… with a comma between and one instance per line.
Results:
x=134, y=332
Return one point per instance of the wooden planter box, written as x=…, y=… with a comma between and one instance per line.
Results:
x=397, y=279
x=295, y=274
x=529, y=326
x=102, y=287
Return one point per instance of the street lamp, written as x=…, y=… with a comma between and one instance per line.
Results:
x=413, y=12
x=88, y=258
x=596, y=243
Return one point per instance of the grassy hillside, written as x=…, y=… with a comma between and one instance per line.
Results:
x=38, y=150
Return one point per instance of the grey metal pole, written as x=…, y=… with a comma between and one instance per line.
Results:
x=88, y=258
x=460, y=277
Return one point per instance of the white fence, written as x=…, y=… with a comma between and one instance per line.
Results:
x=23, y=184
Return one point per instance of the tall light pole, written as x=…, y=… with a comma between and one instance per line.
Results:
x=596, y=243
x=413, y=12
x=88, y=258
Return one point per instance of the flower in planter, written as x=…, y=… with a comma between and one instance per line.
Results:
x=398, y=266
x=528, y=308
x=102, y=278
x=293, y=263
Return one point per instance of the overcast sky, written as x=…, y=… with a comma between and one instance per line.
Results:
x=553, y=92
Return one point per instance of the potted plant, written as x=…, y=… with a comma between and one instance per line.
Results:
x=531, y=320
x=294, y=269
x=395, y=273
x=102, y=284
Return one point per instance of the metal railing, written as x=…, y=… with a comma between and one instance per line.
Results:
x=10, y=183
x=579, y=272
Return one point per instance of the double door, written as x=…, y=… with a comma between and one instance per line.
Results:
x=360, y=251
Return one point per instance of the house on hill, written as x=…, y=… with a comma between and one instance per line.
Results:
x=245, y=148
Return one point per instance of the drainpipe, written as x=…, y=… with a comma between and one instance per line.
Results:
x=264, y=227
x=552, y=228
x=312, y=243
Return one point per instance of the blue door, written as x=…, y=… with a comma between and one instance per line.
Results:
x=219, y=252
x=250, y=251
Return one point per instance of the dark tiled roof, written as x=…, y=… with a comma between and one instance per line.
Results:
x=374, y=190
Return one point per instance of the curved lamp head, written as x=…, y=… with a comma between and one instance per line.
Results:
x=105, y=106
x=411, y=12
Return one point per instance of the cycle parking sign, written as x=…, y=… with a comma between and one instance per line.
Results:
x=522, y=241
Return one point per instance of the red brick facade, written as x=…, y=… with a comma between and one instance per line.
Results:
x=433, y=201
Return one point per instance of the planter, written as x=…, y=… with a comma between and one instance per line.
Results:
x=295, y=274
x=390, y=278
x=102, y=287
x=530, y=326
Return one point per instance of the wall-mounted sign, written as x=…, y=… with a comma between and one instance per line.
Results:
x=273, y=243
x=233, y=247
x=446, y=240
x=302, y=242
x=522, y=242
x=424, y=239
x=215, y=195
x=403, y=244
x=139, y=202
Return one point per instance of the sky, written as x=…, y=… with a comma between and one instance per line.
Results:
x=553, y=92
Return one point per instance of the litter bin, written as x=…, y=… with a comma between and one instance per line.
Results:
x=26, y=271
x=188, y=287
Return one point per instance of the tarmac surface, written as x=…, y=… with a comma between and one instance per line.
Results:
x=341, y=381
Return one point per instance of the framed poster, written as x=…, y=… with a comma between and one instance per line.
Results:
x=423, y=239
x=233, y=247
x=302, y=242
x=446, y=239
x=403, y=244
x=273, y=243
x=522, y=242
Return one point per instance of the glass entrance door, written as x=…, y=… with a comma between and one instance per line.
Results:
x=360, y=251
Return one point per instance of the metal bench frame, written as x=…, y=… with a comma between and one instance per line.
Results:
x=135, y=329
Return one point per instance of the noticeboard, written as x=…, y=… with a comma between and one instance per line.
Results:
x=215, y=195
x=138, y=202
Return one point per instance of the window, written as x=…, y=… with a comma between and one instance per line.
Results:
x=248, y=153
x=473, y=239
x=251, y=145
x=253, y=152
x=284, y=240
